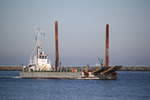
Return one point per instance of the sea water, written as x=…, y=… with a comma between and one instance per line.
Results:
x=128, y=86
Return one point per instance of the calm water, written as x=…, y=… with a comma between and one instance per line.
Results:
x=129, y=86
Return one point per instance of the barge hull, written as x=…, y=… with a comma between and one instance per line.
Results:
x=51, y=75
x=60, y=75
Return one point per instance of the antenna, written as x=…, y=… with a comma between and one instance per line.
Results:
x=39, y=37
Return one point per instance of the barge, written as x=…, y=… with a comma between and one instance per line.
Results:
x=40, y=66
x=102, y=73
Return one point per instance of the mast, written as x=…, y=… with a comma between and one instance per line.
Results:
x=37, y=46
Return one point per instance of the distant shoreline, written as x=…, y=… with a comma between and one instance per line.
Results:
x=123, y=68
x=11, y=68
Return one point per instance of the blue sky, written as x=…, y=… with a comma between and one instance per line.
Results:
x=81, y=30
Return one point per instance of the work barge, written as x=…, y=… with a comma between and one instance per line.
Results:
x=40, y=67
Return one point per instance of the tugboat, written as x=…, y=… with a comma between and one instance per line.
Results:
x=38, y=60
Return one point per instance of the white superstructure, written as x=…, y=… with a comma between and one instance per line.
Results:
x=39, y=60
